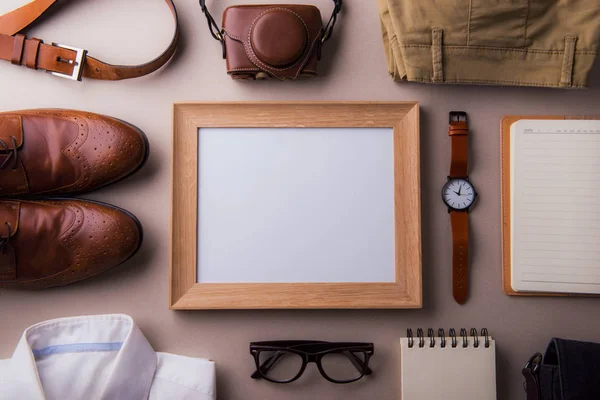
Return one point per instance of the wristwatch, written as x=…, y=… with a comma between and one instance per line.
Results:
x=459, y=195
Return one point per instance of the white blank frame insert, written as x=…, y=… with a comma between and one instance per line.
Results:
x=296, y=205
x=304, y=204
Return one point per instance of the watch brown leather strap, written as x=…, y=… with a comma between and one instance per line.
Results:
x=458, y=133
x=64, y=61
x=459, y=220
x=460, y=255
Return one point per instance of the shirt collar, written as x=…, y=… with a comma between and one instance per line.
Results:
x=133, y=369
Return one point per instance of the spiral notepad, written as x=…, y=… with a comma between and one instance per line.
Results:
x=454, y=367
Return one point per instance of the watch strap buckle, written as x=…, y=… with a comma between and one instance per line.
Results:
x=457, y=116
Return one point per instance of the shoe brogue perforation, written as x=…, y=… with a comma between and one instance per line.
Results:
x=74, y=240
x=66, y=152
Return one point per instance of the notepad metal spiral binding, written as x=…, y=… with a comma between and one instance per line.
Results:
x=441, y=335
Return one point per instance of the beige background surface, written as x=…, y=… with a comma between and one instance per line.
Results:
x=355, y=69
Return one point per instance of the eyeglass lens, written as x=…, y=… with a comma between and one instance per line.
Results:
x=343, y=365
x=280, y=365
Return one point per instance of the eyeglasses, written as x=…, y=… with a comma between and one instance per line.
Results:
x=285, y=361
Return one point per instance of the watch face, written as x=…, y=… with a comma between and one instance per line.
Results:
x=458, y=194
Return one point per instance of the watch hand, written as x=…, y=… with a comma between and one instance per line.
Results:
x=459, y=189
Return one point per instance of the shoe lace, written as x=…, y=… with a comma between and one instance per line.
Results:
x=12, y=153
x=5, y=241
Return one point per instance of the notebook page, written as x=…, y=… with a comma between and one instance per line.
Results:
x=555, y=205
x=448, y=373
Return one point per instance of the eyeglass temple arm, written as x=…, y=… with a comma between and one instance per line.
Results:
x=270, y=362
x=358, y=363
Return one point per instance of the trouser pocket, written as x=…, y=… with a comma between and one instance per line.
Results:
x=496, y=23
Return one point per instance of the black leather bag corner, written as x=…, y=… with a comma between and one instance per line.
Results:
x=569, y=370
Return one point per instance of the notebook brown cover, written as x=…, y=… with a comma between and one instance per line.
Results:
x=505, y=124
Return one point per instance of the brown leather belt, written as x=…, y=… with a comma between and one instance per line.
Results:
x=65, y=61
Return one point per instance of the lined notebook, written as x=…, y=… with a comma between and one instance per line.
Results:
x=448, y=367
x=555, y=206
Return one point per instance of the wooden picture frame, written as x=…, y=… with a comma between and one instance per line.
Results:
x=187, y=294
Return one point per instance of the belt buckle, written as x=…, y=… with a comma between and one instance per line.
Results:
x=77, y=63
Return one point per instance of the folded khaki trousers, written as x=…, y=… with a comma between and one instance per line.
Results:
x=549, y=43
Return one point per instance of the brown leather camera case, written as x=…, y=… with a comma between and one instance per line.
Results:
x=282, y=41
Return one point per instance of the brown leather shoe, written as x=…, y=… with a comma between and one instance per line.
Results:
x=57, y=242
x=57, y=152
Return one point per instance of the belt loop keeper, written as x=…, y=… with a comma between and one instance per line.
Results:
x=566, y=75
x=32, y=50
x=17, y=53
x=436, y=54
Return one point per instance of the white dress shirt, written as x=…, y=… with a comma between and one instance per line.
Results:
x=104, y=357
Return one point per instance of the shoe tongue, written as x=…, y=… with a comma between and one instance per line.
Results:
x=9, y=213
x=11, y=126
